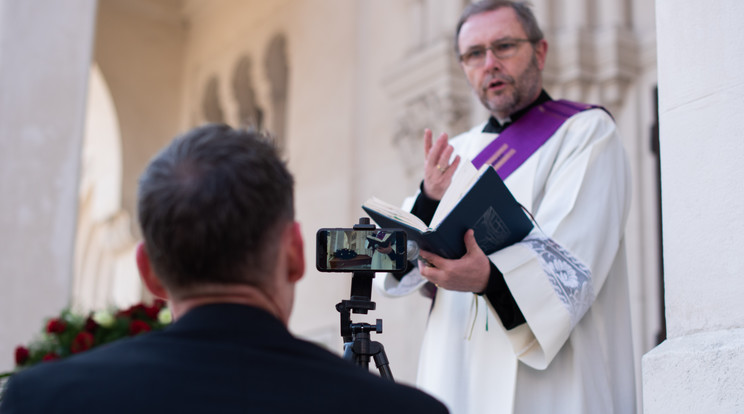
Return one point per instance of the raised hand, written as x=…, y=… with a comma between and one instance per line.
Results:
x=438, y=171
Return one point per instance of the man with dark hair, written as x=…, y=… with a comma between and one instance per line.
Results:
x=542, y=326
x=221, y=244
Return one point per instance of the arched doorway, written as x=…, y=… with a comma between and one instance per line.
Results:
x=104, y=273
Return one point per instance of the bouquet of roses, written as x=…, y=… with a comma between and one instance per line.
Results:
x=72, y=333
x=345, y=254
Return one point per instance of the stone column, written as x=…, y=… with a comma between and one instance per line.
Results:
x=698, y=369
x=45, y=55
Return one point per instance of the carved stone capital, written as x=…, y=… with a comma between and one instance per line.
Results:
x=593, y=65
x=427, y=90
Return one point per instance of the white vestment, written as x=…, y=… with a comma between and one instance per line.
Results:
x=569, y=278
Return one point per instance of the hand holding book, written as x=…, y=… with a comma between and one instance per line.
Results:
x=470, y=273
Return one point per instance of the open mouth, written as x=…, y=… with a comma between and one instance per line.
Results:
x=496, y=84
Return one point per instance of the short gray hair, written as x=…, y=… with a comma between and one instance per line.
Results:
x=522, y=8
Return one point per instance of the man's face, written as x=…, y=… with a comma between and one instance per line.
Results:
x=507, y=85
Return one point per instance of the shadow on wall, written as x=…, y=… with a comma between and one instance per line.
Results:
x=250, y=111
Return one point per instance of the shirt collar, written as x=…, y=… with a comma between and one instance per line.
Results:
x=495, y=127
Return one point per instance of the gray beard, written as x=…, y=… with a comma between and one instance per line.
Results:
x=525, y=90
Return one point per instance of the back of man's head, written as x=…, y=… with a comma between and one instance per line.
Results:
x=211, y=207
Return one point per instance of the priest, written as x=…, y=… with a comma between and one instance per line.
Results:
x=543, y=325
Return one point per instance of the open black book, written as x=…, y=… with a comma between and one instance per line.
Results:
x=476, y=199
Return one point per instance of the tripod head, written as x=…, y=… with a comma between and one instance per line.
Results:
x=359, y=302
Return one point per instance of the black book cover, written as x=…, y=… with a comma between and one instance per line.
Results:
x=488, y=207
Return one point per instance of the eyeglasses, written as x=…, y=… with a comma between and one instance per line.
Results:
x=501, y=49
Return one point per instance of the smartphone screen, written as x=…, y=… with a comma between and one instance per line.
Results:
x=349, y=250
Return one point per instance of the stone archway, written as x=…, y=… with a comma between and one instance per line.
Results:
x=104, y=271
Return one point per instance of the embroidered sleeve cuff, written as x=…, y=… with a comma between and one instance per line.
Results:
x=497, y=292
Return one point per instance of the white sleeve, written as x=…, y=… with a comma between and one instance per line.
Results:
x=580, y=204
x=392, y=287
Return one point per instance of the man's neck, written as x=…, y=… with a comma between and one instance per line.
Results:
x=235, y=294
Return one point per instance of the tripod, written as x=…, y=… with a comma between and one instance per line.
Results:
x=358, y=346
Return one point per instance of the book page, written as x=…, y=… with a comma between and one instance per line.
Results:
x=395, y=213
x=464, y=178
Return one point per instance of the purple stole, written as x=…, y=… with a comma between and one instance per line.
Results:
x=519, y=141
x=526, y=135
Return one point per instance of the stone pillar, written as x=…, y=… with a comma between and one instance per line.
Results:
x=45, y=55
x=698, y=369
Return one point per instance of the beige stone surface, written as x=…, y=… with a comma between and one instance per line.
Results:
x=364, y=79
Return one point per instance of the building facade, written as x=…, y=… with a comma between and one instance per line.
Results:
x=346, y=87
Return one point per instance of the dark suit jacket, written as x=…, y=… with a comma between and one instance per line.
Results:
x=215, y=359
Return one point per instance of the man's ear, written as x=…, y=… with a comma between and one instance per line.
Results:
x=295, y=253
x=148, y=276
x=541, y=52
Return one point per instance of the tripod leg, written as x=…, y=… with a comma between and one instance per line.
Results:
x=357, y=352
x=381, y=360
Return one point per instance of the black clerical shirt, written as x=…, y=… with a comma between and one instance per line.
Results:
x=493, y=126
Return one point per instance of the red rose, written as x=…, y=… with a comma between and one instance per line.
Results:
x=159, y=303
x=91, y=325
x=152, y=311
x=137, y=327
x=21, y=355
x=125, y=312
x=56, y=326
x=50, y=357
x=83, y=341
x=138, y=311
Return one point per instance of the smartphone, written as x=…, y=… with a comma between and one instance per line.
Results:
x=350, y=250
